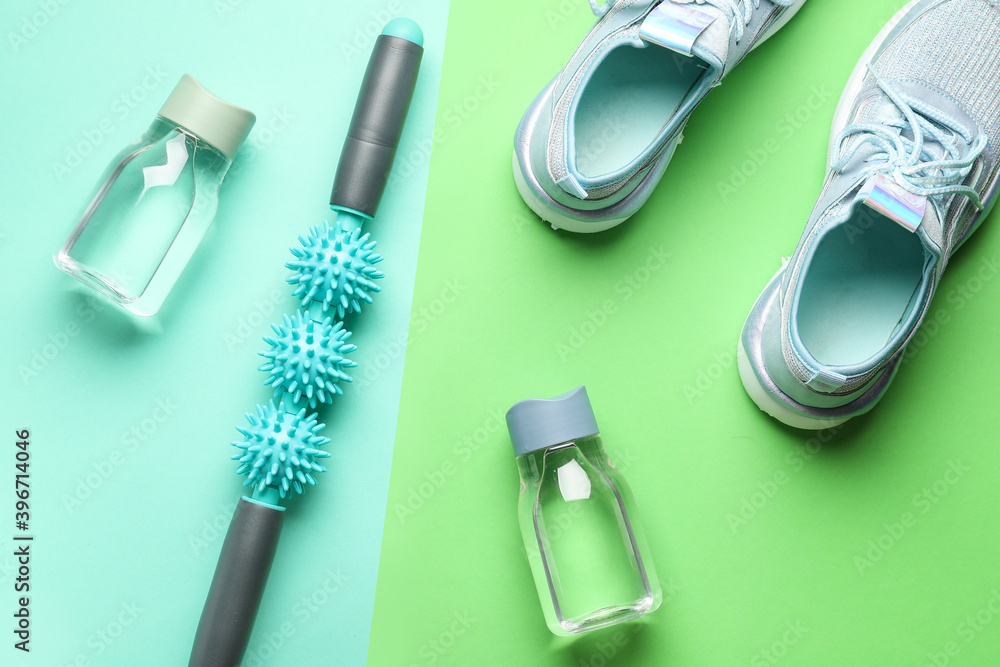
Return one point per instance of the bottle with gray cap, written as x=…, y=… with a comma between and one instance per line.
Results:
x=587, y=551
x=156, y=200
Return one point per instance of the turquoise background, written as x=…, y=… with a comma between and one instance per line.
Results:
x=131, y=479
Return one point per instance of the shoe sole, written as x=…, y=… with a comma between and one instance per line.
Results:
x=547, y=208
x=768, y=404
x=764, y=400
x=748, y=376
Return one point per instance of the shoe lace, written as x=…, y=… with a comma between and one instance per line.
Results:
x=908, y=160
x=739, y=11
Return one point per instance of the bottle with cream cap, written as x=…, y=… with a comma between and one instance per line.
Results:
x=578, y=519
x=156, y=200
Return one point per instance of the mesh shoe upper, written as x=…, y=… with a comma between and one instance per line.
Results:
x=940, y=66
x=546, y=140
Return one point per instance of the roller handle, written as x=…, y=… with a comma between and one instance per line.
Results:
x=377, y=124
x=237, y=587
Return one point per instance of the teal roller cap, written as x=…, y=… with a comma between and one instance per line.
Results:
x=405, y=28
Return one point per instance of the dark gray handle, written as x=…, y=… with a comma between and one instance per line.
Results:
x=377, y=124
x=237, y=587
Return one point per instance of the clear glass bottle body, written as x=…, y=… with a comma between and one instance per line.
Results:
x=587, y=551
x=151, y=209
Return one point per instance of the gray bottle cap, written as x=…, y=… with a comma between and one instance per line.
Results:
x=538, y=423
x=220, y=123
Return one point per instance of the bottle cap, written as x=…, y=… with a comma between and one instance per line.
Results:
x=538, y=423
x=220, y=123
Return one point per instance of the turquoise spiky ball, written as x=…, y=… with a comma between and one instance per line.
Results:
x=280, y=450
x=307, y=358
x=335, y=267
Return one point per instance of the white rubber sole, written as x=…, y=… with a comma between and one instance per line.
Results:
x=748, y=377
x=764, y=400
x=853, y=87
x=767, y=403
x=559, y=221
x=553, y=217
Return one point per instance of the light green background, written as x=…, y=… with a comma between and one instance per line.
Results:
x=141, y=424
x=498, y=293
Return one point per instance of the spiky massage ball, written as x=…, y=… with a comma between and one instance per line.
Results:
x=307, y=358
x=280, y=449
x=335, y=267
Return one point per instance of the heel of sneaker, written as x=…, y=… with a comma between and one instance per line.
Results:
x=547, y=212
x=768, y=404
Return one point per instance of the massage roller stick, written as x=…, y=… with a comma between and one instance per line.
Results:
x=334, y=274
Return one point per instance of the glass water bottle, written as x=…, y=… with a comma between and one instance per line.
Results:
x=156, y=200
x=578, y=519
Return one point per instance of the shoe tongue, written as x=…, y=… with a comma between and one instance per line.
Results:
x=688, y=28
x=882, y=196
x=881, y=192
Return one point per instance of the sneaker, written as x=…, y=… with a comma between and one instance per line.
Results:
x=912, y=173
x=594, y=144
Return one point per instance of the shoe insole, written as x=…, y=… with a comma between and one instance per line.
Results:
x=627, y=102
x=860, y=284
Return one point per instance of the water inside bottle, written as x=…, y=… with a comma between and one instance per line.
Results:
x=135, y=216
x=594, y=568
